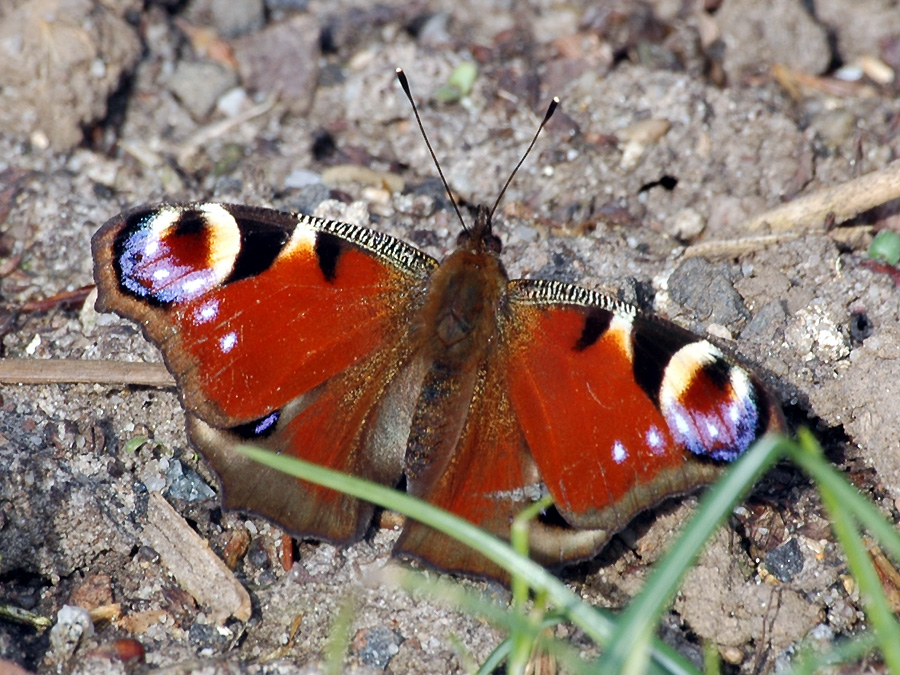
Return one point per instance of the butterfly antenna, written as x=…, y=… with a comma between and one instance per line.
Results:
x=405, y=84
x=554, y=104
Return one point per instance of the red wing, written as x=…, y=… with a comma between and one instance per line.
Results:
x=357, y=423
x=487, y=477
x=253, y=307
x=283, y=331
x=620, y=411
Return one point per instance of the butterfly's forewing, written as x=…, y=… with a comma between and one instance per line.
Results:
x=620, y=411
x=281, y=330
x=241, y=342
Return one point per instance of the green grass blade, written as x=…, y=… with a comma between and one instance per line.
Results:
x=647, y=608
x=712, y=661
x=518, y=539
x=823, y=473
x=843, y=522
x=597, y=625
x=495, y=659
x=23, y=616
x=339, y=637
x=524, y=642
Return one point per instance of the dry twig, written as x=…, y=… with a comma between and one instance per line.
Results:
x=842, y=202
x=56, y=371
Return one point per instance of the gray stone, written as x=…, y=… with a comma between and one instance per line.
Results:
x=707, y=291
x=237, y=17
x=282, y=60
x=758, y=35
x=786, y=561
x=199, y=85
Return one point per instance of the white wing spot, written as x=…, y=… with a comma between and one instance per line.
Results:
x=681, y=424
x=207, y=312
x=619, y=453
x=191, y=286
x=654, y=440
x=159, y=275
x=228, y=341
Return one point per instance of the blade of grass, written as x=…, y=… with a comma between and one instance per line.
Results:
x=496, y=658
x=524, y=642
x=339, y=637
x=23, y=616
x=712, y=660
x=518, y=539
x=636, y=660
x=598, y=626
x=810, y=661
x=646, y=609
x=843, y=523
x=823, y=473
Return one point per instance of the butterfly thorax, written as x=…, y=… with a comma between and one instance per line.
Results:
x=465, y=292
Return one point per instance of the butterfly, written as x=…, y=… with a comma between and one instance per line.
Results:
x=354, y=350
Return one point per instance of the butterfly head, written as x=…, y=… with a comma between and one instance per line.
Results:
x=480, y=237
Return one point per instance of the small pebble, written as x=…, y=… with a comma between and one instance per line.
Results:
x=200, y=85
x=237, y=17
x=377, y=645
x=300, y=178
x=639, y=136
x=707, y=291
x=186, y=484
x=232, y=102
x=687, y=225
x=786, y=561
x=73, y=624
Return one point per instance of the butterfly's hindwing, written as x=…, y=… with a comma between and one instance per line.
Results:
x=357, y=423
x=483, y=472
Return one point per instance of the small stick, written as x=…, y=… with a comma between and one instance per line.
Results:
x=845, y=201
x=731, y=248
x=734, y=247
x=55, y=371
x=216, y=129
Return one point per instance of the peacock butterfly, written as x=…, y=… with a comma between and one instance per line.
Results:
x=352, y=349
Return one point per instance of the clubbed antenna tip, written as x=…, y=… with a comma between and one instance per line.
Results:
x=554, y=104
